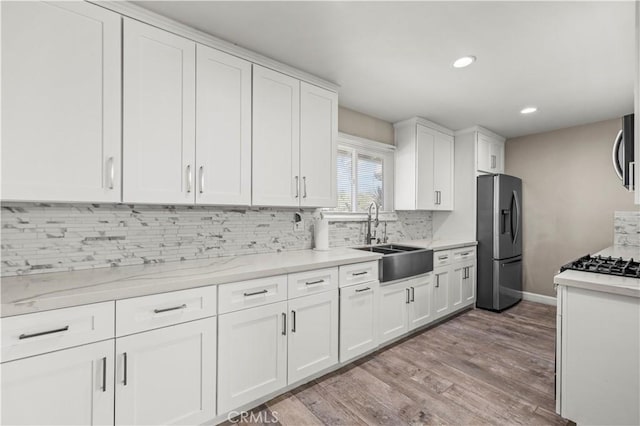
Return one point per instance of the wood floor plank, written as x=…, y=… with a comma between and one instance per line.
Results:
x=480, y=367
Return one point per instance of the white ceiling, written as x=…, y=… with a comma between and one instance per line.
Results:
x=573, y=60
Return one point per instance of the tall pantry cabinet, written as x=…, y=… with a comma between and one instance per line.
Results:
x=61, y=102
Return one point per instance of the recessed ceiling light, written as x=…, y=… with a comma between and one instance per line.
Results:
x=528, y=110
x=465, y=61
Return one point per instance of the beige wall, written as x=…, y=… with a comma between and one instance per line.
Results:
x=365, y=126
x=570, y=193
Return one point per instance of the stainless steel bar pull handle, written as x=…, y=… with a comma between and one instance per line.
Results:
x=408, y=300
x=437, y=280
x=112, y=172
x=355, y=274
x=256, y=293
x=42, y=333
x=174, y=308
x=124, y=359
x=360, y=290
x=201, y=179
x=189, y=179
x=284, y=324
x=304, y=184
x=297, y=187
x=413, y=294
x=104, y=374
x=314, y=282
x=293, y=321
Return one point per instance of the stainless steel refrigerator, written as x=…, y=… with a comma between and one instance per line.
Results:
x=499, y=233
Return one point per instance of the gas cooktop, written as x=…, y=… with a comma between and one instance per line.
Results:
x=605, y=265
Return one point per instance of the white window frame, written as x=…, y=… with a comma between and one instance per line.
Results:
x=372, y=148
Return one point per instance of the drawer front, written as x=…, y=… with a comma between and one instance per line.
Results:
x=160, y=310
x=33, y=334
x=358, y=273
x=247, y=294
x=442, y=258
x=463, y=254
x=310, y=282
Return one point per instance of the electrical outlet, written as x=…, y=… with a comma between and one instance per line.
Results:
x=298, y=226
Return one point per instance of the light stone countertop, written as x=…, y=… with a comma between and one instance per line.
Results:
x=444, y=244
x=623, y=286
x=40, y=292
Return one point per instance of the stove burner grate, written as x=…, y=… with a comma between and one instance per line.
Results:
x=605, y=265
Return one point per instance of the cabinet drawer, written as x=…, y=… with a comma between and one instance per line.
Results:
x=160, y=310
x=246, y=294
x=33, y=334
x=311, y=282
x=464, y=254
x=441, y=258
x=358, y=273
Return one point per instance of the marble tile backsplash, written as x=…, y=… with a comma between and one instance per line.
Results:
x=38, y=238
x=626, y=228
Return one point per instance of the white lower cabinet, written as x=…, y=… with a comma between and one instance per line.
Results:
x=420, y=309
x=394, y=305
x=167, y=376
x=67, y=387
x=405, y=306
x=313, y=336
x=252, y=354
x=458, y=277
x=441, y=294
x=469, y=285
x=359, y=307
x=262, y=349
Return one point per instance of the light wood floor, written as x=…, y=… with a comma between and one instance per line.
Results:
x=477, y=368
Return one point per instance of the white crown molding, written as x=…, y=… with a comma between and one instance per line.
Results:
x=480, y=129
x=424, y=122
x=143, y=15
x=357, y=141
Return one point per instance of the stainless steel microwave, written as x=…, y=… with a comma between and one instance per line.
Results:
x=622, y=156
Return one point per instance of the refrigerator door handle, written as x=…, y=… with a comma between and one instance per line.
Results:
x=517, y=217
x=614, y=156
x=519, y=259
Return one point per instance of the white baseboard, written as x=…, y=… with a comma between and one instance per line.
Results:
x=538, y=298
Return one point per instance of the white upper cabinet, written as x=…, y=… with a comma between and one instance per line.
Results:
x=223, y=128
x=295, y=127
x=61, y=102
x=424, y=166
x=159, y=116
x=276, y=139
x=318, y=133
x=490, y=149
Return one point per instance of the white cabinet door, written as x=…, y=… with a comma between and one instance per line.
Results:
x=252, y=354
x=441, y=303
x=426, y=196
x=276, y=139
x=394, y=305
x=68, y=387
x=469, y=285
x=456, y=285
x=420, y=308
x=223, y=128
x=490, y=154
x=358, y=319
x=318, y=133
x=167, y=376
x=313, y=334
x=159, y=116
x=61, y=105
x=443, y=171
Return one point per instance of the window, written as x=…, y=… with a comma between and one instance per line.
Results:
x=364, y=174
